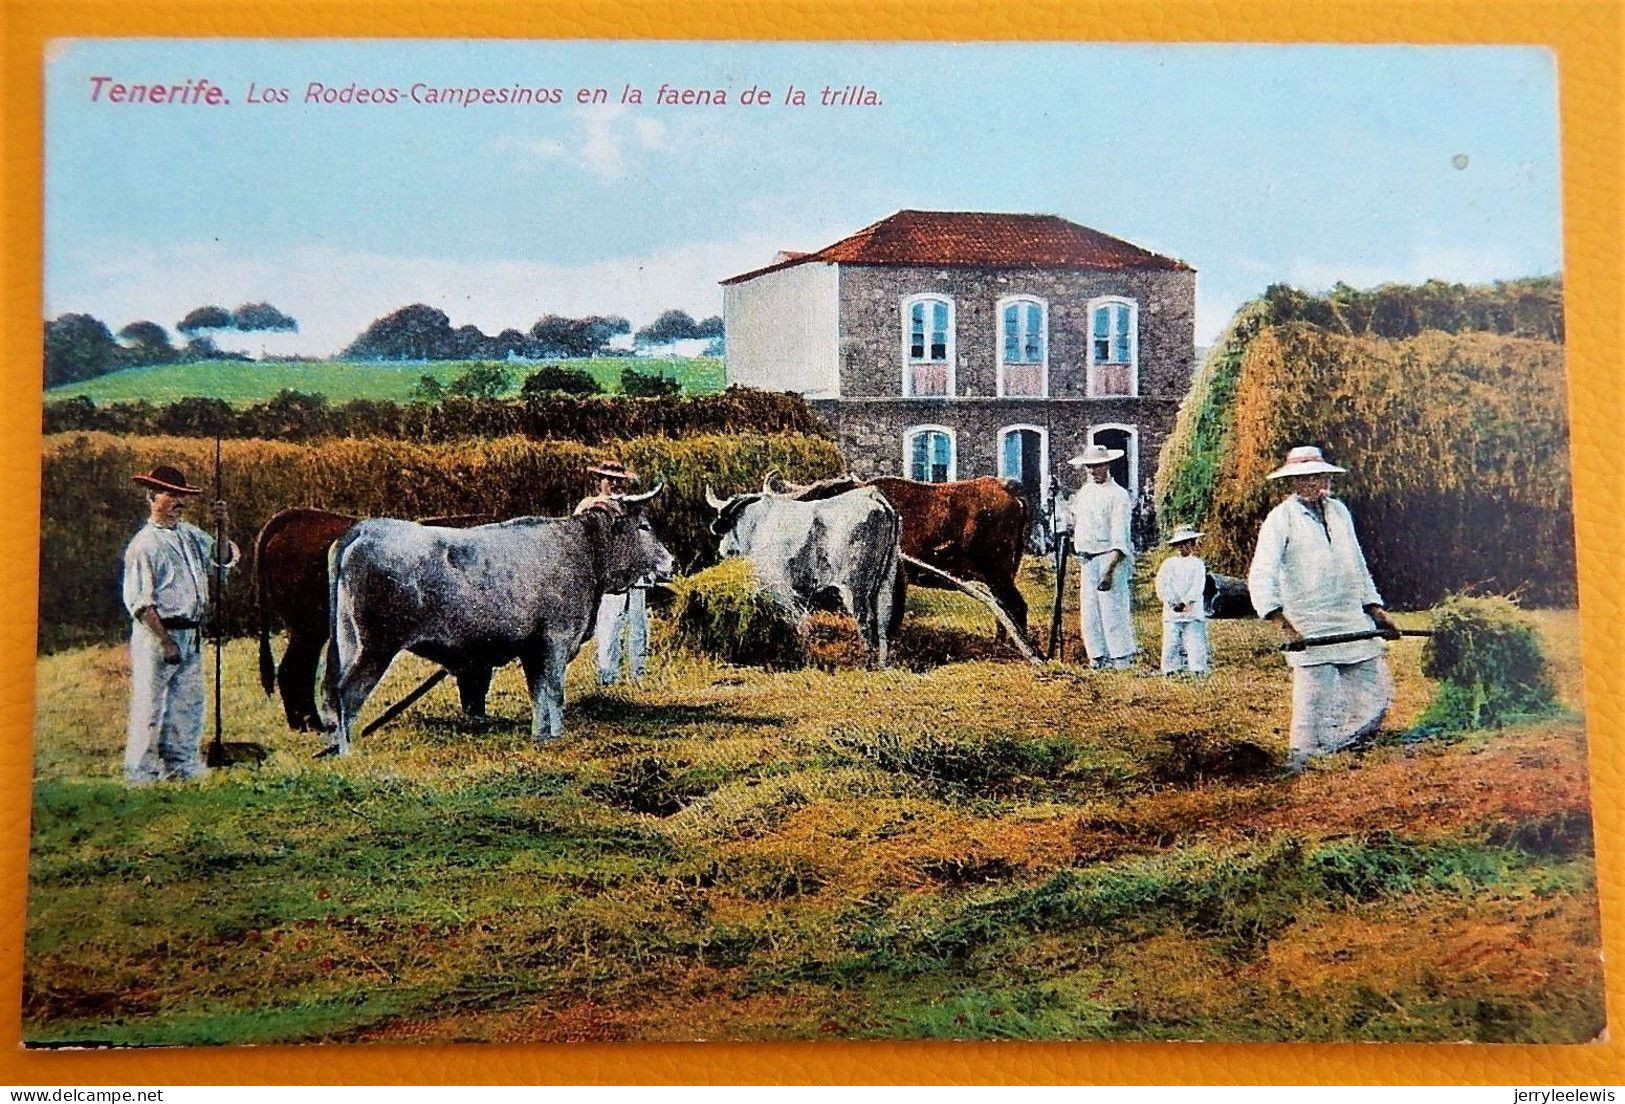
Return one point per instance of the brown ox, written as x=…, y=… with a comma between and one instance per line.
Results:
x=290, y=581
x=972, y=529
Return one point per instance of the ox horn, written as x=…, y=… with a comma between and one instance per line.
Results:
x=636, y=500
x=712, y=500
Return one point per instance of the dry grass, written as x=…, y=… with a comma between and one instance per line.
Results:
x=963, y=850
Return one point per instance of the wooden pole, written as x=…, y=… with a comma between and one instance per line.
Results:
x=406, y=703
x=1057, y=625
x=217, y=750
x=982, y=595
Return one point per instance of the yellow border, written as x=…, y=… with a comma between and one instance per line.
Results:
x=1586, y=39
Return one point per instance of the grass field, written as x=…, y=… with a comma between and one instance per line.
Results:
x=241, y=383
x=966, y=849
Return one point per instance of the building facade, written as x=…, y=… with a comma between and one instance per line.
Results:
x=948, y=345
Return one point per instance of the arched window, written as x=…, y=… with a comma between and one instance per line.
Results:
x=1023, y=347
x=928, y=346
x=928, y=454
x=1114, y=346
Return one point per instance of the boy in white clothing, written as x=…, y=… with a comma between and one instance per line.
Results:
x=1180, y=584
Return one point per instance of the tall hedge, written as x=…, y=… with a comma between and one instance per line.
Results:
x=293, y=416
x=1456, y=445
x=90, y=508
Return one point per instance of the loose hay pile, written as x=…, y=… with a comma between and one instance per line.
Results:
x=1488, y=659
x=723, y=612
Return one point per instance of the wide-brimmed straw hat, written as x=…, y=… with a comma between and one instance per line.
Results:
x=166, y=478
x=1093, y=455
x=1182, y=534
x=614, y=469
x=1305, y=460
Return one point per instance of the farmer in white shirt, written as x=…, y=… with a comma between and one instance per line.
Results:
x=1309, y=576
x=167, y=566
x=1181, y=582
x=1101, y=516
x=622, y=627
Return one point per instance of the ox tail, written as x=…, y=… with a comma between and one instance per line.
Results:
x=333, y=701
x=891, y=595
x=1019, y=545
x=262, y=600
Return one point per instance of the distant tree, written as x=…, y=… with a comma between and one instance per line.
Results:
x=200, y=348
x=427, y=390
x=709, y=327
x=417, y=332
x=672, y=325
x=653, y=386
x=511, y=343
x=482, y=381
x=556, y=336
x=468, y=343
x=252, y=317
x=79, y=347
x=555, y=379
x=148, y=343
x=205, y=318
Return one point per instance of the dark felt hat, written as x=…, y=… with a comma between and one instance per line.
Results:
x=613, y=469
x=166, y=478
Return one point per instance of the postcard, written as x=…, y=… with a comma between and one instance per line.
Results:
x=595, y=542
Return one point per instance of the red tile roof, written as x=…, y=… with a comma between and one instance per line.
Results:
x=974, y=239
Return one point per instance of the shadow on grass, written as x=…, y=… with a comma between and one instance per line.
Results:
x=657, y=716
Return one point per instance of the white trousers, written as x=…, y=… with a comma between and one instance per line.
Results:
x=166, y=708
x=1108, y=621
x=622, y=628
x=1184, y=647
x=1334, y=704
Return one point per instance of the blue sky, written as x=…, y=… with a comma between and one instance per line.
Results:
x=1255, y=164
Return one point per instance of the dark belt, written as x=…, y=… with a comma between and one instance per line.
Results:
x=179, y=623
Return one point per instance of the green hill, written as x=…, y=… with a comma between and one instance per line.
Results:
x=243, y=382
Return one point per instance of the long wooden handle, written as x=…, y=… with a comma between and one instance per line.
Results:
x=218, y=612
x=1057, y=644
x=1347, y=638
x=984, y=596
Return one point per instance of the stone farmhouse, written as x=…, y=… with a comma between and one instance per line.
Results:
x=945, y=345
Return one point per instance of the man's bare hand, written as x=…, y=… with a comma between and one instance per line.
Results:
x=1384, y=623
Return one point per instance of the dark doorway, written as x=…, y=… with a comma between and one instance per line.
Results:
x=1122, y=440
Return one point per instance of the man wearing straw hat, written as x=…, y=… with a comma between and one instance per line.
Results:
x=1309, y=576
x=1102, y=514
x=623, y=619
x=166, y=589
x=1181, y=584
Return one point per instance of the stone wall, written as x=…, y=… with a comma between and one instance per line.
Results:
x=871, y=300
x=870, y=431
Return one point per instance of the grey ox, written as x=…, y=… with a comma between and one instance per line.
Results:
x=525, y=589
x=803, y=552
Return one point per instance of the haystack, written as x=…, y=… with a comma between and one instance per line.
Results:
x=1456, y=445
